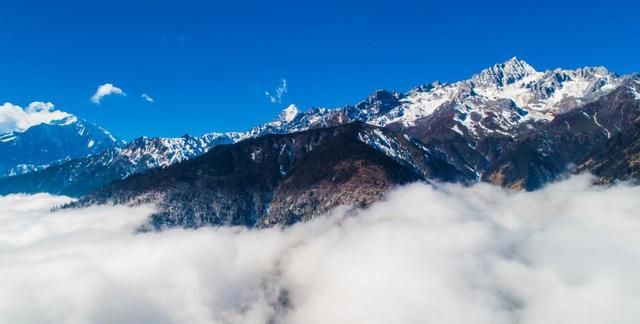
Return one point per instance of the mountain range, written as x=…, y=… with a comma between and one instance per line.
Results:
x=509, y=125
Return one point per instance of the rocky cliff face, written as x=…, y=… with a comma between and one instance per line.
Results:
x=619, y=159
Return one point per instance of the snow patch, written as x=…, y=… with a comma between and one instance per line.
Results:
x=456, y=129
x=289, y=114
x=595, y=120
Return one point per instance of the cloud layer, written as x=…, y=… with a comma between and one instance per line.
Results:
x=569, y=253
x=14, y=118
x=104, y=90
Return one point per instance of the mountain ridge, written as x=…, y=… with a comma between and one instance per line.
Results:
x=506, y=125
x=272, y=179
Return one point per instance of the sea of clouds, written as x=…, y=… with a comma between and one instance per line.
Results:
x=569, y=253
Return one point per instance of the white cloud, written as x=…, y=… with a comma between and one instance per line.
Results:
x=104, y=90
x=569, y=253
x=147, y=97
x=15, y=118
x=276, y=96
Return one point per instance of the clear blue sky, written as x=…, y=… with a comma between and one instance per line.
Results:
x=208, y=63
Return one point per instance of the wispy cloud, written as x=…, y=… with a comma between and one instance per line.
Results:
x=276, y=95
x=147, y=97
x=104, y=90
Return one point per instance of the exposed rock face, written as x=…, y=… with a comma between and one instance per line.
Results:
x=619, y=159
x=579, y=137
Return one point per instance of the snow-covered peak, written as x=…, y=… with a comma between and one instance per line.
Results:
x=164, y=151
x=379, y=102
x=591, y=72
x=289, y=114
x=428, y=87
x=504, y=74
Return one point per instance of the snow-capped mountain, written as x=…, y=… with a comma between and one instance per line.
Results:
x=509, y=93
x=472, y=122
x=469, y=124
x=52, y=142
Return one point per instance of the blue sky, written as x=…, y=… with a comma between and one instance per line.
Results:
x=207, y=64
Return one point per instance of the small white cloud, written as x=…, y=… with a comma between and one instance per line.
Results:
x=278, y=93
x=106, y=90
x=15, y=118
x=147, y=97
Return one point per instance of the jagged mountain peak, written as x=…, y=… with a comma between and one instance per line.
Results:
x=515, y=63
x=594, y=72
x=384, y=93
x=380, y=101
x=429, y=86
x=503, y=74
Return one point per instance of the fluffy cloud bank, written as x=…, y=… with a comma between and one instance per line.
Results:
x=14, y=118
x=569, y=253
x=104, y=90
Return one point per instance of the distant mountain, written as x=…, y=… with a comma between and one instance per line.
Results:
x=52, y=143
x=80, y=176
